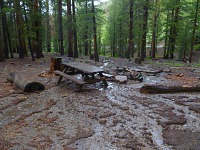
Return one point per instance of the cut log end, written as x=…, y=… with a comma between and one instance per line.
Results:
x=34, y=86
x=21, y=83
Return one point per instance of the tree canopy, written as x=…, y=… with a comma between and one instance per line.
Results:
x=117, y=28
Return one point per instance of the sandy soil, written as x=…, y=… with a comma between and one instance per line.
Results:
x=116, y=118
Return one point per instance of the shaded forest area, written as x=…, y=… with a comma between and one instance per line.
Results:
x=125, y=28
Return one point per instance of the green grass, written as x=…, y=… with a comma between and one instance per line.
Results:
x=196, y=65
x=178, y=65
x=167, y=63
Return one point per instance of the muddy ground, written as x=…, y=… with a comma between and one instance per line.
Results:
x=116, y=118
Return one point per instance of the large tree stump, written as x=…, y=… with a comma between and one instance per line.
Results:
x=162, y=89
x=56, y=64
x=21, y=83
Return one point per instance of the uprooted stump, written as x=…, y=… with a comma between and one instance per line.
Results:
x=21, y=83
x=163, y=89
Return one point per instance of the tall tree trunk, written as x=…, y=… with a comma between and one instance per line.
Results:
x=169, y=43
x=9, y=41
x=194, y=30
x=2, y=57
x=114, y=40
x=48, y=33
x=9, y=28
x=29, y=38
x=120, y=41
x=38, y=45
x=69, y=29
x=86, y=31
x=20, y=31
x=4, y=22
x=130, y=40
x=75, y=31
x=153, y=45
x=96, y=55
x=173, y=29
x=166, y=37
x=139, y=26
x=60, y=27
x=144, y=29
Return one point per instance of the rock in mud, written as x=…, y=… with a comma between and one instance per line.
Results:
x=121, y=79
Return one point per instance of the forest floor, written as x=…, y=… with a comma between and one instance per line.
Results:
x=116, y=118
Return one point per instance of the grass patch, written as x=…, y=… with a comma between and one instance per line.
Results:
x=178, y=65
x=196, y=65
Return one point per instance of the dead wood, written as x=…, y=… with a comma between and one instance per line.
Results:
x=149, y=71
x=21, y=83
x=162, y=89
x=56, y=64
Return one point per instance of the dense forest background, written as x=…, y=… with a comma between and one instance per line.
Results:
x=117, y=28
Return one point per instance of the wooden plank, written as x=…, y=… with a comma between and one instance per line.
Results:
x=70, y=77
x=85, y=68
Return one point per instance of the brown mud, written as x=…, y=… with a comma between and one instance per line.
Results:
x=119, y=117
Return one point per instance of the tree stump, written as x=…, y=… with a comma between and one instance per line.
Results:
x=138, y=60
x=21, y=83
x=56, y=64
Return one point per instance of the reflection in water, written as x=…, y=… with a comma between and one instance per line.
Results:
x=104, y=64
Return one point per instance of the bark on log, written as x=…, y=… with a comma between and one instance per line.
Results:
x=23, y=84
x=162, y=89
x=148, y=71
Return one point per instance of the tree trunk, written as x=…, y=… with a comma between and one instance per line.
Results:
x=21, y=83
x=153, y=48
x=60, y=28
x=20, y=31
x=114, y=40
x=69, y=29
x=166, y=37
x=38, y=25
x=144, y=29
x=10, y=30
x=48, y=33
x=120, y=43
x=86, y=31
x=96, y=55
x=56, y=64
x=75, y=31
x=5, y=38
x=2, y=57
x=194, y=31
x=9, y=41
x=161, y=89
x=173, y=29
x=29, y=38
x=130, y=40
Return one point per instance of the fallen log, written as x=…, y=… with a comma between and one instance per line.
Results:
x=163, y=89
x=21, y=83
x=148, y=71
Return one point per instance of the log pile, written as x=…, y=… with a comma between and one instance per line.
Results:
x=21, y=83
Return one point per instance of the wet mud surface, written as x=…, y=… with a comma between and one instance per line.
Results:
x=119, y=117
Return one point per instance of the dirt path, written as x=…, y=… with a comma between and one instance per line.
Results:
x=116, y=118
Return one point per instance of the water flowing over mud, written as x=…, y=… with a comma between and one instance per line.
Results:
x=118, y=117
